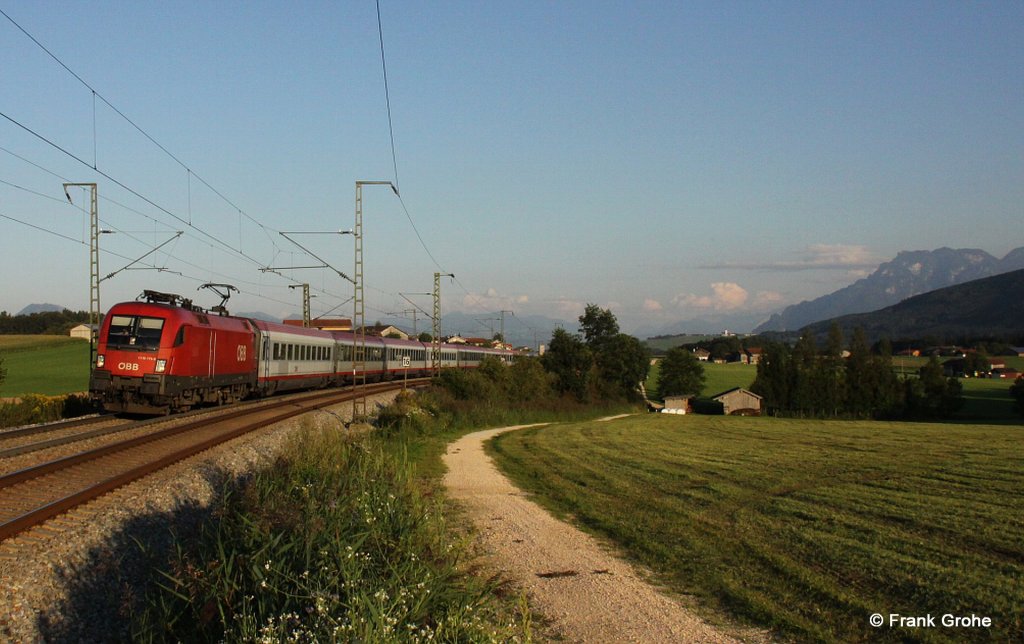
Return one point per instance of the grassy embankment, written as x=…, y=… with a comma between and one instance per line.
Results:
x=336, y=541
x=805, y=527
x=346, y=539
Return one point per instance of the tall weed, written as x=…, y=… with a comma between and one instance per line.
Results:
x=333, y=542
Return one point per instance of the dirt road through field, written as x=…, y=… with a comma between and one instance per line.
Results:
x=588, y=594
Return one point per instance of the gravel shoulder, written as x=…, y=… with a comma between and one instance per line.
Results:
x=583, y=591
x=72, y=578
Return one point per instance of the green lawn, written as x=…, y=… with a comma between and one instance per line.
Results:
x=43, y=364
x=718, y=378
x=805, y=527
x=988, y=400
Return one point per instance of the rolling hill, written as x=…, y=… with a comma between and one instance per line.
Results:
x=988, y=307
x=910, y=273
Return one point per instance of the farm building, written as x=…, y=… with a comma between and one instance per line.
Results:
x=83, y=331
x=739, y=400
x=677, y=405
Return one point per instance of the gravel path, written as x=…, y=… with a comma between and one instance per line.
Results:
x=587, y=593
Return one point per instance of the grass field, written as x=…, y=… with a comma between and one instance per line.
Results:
x=805, y=527
x=718, y=378
x=43, y=364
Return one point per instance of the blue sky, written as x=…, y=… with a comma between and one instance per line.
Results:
x=669, y=160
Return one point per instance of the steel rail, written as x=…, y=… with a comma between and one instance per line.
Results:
x=92, y=491
x=52, y=427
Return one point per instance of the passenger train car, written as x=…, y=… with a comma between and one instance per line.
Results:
x=165, y=355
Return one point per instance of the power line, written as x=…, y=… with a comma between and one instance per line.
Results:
x=138, y=128
x=387, y=99
x=128, y=188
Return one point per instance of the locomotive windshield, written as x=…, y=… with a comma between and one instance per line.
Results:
x=134, y=332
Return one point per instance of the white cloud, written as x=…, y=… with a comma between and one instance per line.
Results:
x=493, y=300
x=725, y=296
x=652, y=305
x=767, y=300
x=815, y=257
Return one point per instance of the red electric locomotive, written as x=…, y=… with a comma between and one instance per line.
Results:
x=166, y=355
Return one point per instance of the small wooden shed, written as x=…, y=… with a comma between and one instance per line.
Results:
x=739, y=401
x=83, y=331
x=677, y=404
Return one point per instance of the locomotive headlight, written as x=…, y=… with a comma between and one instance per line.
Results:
x=161, y=366
x=100, y=361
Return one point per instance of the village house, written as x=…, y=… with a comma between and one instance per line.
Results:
x=386, y=331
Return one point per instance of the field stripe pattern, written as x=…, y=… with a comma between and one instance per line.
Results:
x=807, y=527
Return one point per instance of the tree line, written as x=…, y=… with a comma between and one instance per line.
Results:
x=806, y=380
x=598, y=364
x=42, y=323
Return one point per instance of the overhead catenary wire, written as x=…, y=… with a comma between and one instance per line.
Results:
x=136, y=126
x=214, y=242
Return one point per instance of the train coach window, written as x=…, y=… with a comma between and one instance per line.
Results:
x=179, y=339
x=289, y=352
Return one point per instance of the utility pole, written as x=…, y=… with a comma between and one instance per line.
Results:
x=415, y=307
x=359, y=307
x=403, y=312
x=503, y=312
x=305, y=302
x=94, y=266
x=435, y=349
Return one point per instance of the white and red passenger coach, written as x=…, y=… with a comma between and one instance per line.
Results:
x=166, y=355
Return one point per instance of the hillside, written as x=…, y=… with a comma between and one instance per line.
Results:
x=988, y=307
x=910, y=273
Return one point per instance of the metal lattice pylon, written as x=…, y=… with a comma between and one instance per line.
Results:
x=435, y=343
x=359, y=306
x=359, y=317
x=94, y=266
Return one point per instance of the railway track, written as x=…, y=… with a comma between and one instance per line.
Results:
x=22, y=440
x=33, y=495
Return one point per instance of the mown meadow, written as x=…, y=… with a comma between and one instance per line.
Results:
x=804, y=527
x=43, y=364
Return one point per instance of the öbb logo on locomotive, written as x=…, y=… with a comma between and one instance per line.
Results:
x=163, y=354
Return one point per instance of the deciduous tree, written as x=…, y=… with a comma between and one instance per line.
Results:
x=570, y=360
x=681, y=374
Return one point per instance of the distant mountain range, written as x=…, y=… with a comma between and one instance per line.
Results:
x=910, y=273
x=40, y=308
x=525, y=330
x=711, y=324
x=988, y=307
